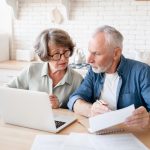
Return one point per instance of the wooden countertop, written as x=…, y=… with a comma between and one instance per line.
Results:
x=13, y=64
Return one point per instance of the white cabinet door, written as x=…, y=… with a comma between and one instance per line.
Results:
x=7, y=74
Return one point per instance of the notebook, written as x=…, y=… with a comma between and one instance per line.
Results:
x=31, y=109
x=107, y=122
x=120, y=128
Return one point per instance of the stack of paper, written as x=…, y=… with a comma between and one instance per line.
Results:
x=48, y=142
x=79, y=141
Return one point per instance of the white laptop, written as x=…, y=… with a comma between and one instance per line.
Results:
x=31, y=109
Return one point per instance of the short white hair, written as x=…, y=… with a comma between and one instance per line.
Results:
x=113, y=37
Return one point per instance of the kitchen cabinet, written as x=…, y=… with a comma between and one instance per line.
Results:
x=7, y=74
x=4, y=47
x=10, y=69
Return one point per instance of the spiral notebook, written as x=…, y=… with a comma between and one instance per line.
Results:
x=108, y=123
x=120, y=128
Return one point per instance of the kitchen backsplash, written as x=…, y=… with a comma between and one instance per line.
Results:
x=131, y=17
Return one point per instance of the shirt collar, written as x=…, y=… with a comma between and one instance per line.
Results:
x=122, y=65
x=67, y=77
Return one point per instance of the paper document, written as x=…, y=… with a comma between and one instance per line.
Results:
x=84, y=141
x=48, y=142
x=77, y=141
x=109, y=119
x=116, y=142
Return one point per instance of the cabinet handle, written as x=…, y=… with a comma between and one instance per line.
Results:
x=10, y=76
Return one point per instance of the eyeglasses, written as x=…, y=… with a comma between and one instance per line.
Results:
x=57, y=56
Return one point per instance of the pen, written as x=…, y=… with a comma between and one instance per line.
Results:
x=101, y=102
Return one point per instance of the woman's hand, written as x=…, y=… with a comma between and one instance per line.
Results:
x=54, y=101
x=139, y=118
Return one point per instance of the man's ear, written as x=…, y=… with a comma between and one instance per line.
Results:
x=117, y=53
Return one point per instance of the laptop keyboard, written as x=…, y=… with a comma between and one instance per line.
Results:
x=59, y=123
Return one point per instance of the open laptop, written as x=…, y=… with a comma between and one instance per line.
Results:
x=31, y=109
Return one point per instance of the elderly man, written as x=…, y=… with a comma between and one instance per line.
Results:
x=114, y=80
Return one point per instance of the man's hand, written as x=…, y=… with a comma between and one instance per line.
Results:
x=139, y=118
x=99, y=108
x=54, y=101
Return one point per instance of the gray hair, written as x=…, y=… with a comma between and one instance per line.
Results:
x=54, y=36
x=113, y=37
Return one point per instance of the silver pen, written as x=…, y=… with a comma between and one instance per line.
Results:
x=101, y=102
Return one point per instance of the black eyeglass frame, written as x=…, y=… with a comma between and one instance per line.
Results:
x=57, y=56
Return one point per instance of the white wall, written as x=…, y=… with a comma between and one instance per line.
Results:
x=131, y=17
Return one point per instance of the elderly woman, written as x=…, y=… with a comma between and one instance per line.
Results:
x=53, y=75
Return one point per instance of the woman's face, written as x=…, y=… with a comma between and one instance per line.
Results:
x=59, y=57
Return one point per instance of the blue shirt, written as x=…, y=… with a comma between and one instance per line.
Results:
x=134, y=85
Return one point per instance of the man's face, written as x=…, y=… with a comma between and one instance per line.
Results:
x=100, y=58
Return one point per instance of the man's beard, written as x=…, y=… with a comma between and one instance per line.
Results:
x=101, y=69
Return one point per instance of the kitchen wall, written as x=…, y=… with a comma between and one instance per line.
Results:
x=131, y=17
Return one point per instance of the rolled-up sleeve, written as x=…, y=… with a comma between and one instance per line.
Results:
x=72, y=100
